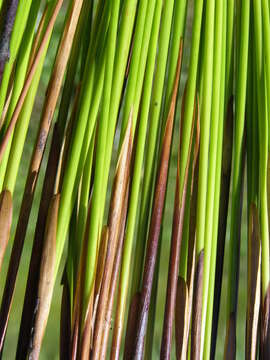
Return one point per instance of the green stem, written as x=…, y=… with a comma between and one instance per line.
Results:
x=212, y=165
x=219, y=113
x=238, y=154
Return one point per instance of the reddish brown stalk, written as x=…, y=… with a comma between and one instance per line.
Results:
x=86, y=336
x=177, y=232
x=131, y=325
x=265, y=326
x=46, y=279
x=9, y=10
x=181, y=318
x=254, y=283
x=223, y=217
x=29, y=79
x=116, y=208
x=114, y=279
x=53, y=92
x=155, y=224
x=5, y=222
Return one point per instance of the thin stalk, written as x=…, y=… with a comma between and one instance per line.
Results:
x=113, y=285
x=184, y=293
x=191, y=83
x=230, y=50
x=206, y=101
x=150, y=333
x=264, y=216
x=144, y=11
x=261, y=30
x=254, y=283
x=221, y=227
x=238, y=160
x=84, y=201
x=221, y=160
x=216, y=123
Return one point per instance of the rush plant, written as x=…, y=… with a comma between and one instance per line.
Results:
x=154, y=133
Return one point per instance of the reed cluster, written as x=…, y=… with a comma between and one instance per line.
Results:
x=116, y=105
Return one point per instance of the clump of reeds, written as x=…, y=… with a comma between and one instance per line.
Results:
x=117, y=107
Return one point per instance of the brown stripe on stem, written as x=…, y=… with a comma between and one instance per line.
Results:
x=116, y=207
x=181, y=319
x=77, y=305
x=86, y=336
x=223, y=217
x=192, y=220
x=114, y=279
x=265, y=326
x=100, y=265
x=177, y=232
x=254, y=283
x=230, y=344
x=182, y=323
x=155, y=224
x=131, y=325
x=99, y=274
x=5, y=222
x=46, y=280
x=197, y=309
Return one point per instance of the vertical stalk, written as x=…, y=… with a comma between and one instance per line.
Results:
x=237, y=179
